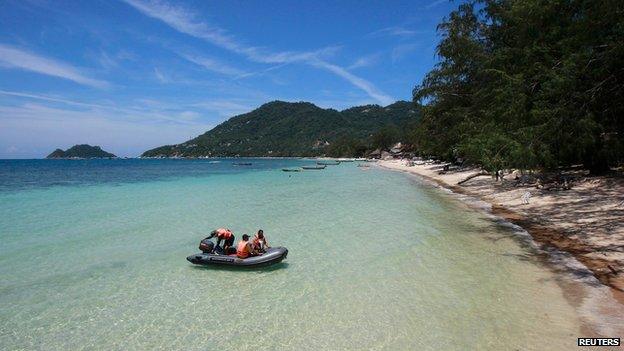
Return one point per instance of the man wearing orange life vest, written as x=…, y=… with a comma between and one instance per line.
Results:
x=223, y=234
x=244, y=248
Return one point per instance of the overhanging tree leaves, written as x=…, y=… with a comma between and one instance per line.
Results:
x=527, y=84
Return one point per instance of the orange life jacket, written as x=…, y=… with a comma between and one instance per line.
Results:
x=223, y=233
x=242, y=250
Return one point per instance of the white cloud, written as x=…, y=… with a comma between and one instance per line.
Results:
x=12, y=57
x=160, y=77
x=400, y=51
x=393, y=31
x=48, y=98
x=185, y=21
x=189, y=115
x=208, y=107
x=261, y=72
x=150, y=114
x=214, y=65
x=152, y=111
x=363, y=84
x=435, y=3
x=106, y=61
x=365, y=61
x=224, y=108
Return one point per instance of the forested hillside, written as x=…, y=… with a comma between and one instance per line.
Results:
x=295, y=129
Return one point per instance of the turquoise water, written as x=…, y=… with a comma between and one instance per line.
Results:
x=93, y=257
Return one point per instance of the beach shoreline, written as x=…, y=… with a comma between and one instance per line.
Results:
x=598, y=297
x=558, y=220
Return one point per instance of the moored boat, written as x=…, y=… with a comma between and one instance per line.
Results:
x=314, y=167
x=291, y=169
x=328, y=163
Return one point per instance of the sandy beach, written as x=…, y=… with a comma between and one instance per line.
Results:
x=586, y=221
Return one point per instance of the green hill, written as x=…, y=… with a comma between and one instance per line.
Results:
x=81, y=151
x=290, y=129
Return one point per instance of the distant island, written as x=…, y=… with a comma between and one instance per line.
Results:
x=281, y=128
x=81, y=151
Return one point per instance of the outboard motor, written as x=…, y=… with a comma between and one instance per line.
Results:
x=206, y=246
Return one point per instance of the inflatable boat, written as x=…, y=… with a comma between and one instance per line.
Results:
x=271, y=256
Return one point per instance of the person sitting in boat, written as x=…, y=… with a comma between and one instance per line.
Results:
x=245, y=248
x=224, y=235
x=260, y=242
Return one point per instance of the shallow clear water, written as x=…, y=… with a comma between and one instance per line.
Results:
x=93, y=257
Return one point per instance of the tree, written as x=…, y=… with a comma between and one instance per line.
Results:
x=527, y=84
x=385, y=137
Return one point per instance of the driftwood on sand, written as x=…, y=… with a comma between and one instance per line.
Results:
x=482, y=173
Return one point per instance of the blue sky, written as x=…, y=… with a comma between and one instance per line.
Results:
x=130, y=75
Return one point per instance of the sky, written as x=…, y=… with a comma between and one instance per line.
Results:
x=130, y=75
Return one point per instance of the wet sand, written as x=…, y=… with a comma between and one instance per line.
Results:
x=586, y=221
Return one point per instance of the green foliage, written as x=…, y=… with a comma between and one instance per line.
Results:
x=386, y=137
x=81, y=151
x=527, y=84
x=294, y=129
x=347, y=146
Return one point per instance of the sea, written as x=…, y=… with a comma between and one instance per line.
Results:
x=93, y=257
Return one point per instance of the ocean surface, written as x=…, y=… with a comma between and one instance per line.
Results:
x=92, y=257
